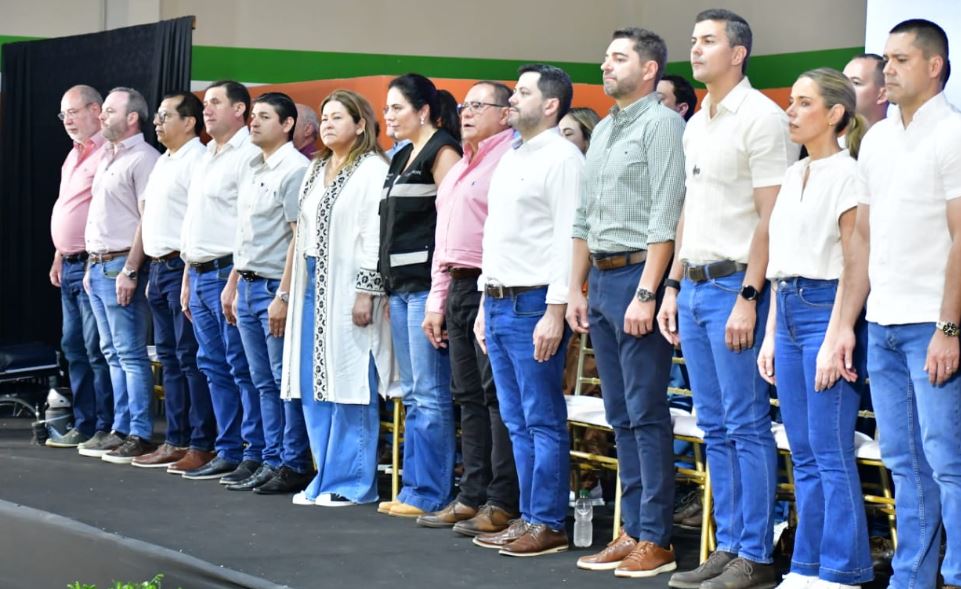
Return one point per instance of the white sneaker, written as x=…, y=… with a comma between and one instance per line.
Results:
x=333, y=500
x=796, y=581
x=301, y=499
x=822, y=584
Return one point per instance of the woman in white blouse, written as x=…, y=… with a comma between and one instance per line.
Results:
x=810, y=228
x=337, y=353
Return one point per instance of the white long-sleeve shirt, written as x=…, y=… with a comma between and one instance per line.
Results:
x=533, y=195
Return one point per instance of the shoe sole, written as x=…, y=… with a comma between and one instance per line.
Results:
x=142, y=465
x=206, y=477
x=554, y=550
x=598, y=566
x=684, y=585
x=473, y=533
x=51, y=444
x=93, y=453
x=333, y=503
x=664, y=568
x=177, y=471
x=405, y=515
x=434, y=525
x=478, y=542
x=117, y=459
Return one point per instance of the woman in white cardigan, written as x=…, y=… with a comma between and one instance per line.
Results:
x=337, y=353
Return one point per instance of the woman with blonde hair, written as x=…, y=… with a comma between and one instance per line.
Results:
x=577, y=126
x=810, y=231
x=337, y=353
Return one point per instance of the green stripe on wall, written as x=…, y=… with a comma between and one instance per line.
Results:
x=273, y=66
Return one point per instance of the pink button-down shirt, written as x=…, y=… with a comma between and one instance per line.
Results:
x=461, y=212
x=69, y=215
x=118, y=188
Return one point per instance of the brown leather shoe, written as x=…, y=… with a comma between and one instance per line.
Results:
x=163, y=456
x=192, y=460
x=490, y=519
x=447, y=517
x=646, y=560
x=539, y=539
x=401, y=509
x=498, y=540
x=609, y=558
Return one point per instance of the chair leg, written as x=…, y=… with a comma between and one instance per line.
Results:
x=395, y=452
x=707, y=526
x=581, y=354
x=617, y=504
x=892, y=517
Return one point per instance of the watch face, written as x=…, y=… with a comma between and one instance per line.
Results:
x=749, y=292
x=644, y=295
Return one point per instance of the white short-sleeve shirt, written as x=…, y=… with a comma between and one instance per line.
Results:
x=745, y=146
x=165, y=199
x=805, y=238
x=909, y=174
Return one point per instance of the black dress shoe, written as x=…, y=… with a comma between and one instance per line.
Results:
x=244, y=471
x=263, y=474
x=285, y=481
x=214, y=469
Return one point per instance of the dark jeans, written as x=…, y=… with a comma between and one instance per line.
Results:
x=489, y=472
x=635, y=372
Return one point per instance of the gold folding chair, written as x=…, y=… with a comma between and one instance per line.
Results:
x=395, y=425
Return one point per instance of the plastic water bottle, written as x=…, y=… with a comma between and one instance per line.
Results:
x=583, y=516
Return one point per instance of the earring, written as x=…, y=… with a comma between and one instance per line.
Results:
x=422, y=122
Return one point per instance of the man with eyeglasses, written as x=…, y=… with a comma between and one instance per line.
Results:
x=488, y=488
x=624, y=235
x=88, y=370
x=113, y=274
x=190, y=420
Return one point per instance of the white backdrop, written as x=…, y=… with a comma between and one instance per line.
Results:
x=882, y=15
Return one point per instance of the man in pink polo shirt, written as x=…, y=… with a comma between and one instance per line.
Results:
x=89, y=374
x=488, y=489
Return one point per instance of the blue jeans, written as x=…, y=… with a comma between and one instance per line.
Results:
x=220, y=356
x=88, y=369
x=343, y=438
x=285, y=435
x=190, y=417
x=429, y=443
x=123, y=340
x=920, y=440
x=733, y=409
x=832, y=536
x=531, y=398
x=635, y=372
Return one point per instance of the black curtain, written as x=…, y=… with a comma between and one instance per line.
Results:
x=154, y=59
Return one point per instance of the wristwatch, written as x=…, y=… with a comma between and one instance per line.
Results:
x=131, y=274
x=643, y=295
x=948, y=328
x=283, y=295
x=749, y=293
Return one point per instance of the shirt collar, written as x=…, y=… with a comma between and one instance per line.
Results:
x=485, y=146
x=932, y=107
x=541, y=139
x=732, y=102
x=234, y=142
x=127, y=143
x=635, y=109
x=275, y=158
x=186, y=147
x=92, y=143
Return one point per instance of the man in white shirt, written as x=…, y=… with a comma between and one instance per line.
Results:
x=210, y=286
x=526, y=266
x=190, y=418
x=267, y=207
x=737, y=150
x=907, y=251
x=866, y=72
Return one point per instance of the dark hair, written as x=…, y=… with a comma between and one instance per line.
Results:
x=236, y=92
x=648, y=44
x=878, y=66
x=190, y=106
x=441, y=106
x=683, y=92
x=502, y=94
x=737, y=29
x=283, y=106
x=930, y=38
x=553, y=83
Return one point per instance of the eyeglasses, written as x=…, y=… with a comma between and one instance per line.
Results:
x=477, y=106
x=72, y=112
x=162, y=116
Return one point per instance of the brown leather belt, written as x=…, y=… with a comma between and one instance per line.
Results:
x=106, y=257
x=165, y=258
x=615, y=261
x=712, y=270
x=74, y=258
x=496, y=291
x=464, y=273
x=203, y=267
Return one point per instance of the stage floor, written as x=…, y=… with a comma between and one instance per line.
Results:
x=268, y=537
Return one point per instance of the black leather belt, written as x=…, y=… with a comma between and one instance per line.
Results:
x=496, y=291
x=464, y=273
x=250, y=276
x=74, y=258
x=713, y=270
x=165, y=258
x=620, y=260
x=203, y=267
